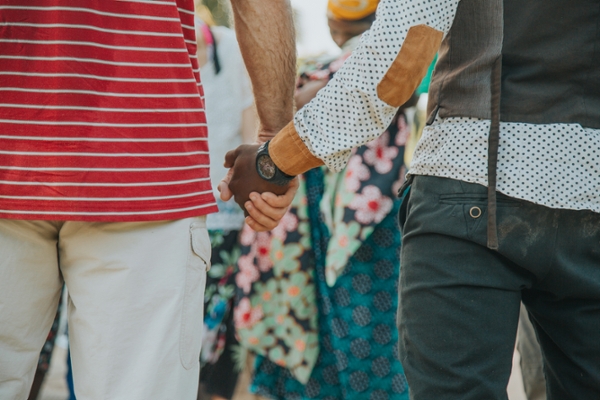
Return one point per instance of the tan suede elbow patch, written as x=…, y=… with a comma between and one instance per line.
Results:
x=410, y=66
x=290, y=154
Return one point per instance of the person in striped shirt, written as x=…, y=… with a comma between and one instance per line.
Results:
x=105, y=184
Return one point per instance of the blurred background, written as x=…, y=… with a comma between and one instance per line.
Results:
x=311, y=25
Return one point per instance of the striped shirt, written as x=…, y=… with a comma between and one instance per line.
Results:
x=101, y=111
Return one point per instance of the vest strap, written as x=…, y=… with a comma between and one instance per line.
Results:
x=493, y=143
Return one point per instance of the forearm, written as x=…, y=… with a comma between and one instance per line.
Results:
x=249, y=125
x=265, y=32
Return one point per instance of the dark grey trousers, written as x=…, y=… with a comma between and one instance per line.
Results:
x=459, y=301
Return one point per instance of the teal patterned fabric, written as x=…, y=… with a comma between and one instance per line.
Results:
x=219, y=292
x=358, y=357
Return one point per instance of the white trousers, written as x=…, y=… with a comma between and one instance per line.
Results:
x=135, y=304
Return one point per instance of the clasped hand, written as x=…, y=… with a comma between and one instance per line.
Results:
x=264, y=203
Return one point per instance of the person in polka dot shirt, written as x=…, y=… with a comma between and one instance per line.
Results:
x=504, y=200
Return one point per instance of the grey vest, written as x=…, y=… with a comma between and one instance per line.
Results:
x=532, y=61
x=550, y=53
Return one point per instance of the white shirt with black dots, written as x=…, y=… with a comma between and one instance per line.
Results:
x=554, y=165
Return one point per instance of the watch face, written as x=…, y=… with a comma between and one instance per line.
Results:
x=266, y=167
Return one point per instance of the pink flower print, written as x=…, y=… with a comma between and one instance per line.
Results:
x=403, y=131
x=248, y=236
x=371, y=205
x=245, y=316
x=263, y=251
x=356, y=172
x=247, y=274
x=288, y=223
x=380, y=155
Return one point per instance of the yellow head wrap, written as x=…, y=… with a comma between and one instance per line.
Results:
x=204, y=13
x=351, y=10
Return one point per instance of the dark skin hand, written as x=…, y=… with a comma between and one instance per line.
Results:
x=263, y=210
x=245, y=179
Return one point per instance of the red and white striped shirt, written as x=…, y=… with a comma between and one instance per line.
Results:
x=101, y=111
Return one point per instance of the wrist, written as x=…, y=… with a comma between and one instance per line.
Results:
x=265, y=135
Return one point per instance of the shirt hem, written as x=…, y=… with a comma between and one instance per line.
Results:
x=59, y=216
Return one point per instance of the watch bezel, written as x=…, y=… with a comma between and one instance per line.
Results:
x=279, y=177
x=259, y=166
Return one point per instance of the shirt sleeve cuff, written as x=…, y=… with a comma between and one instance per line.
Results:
x=290, y=154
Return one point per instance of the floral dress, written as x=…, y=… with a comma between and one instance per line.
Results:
x=317, y=297
x=275, y=308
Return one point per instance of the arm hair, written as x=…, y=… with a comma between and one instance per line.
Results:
x=265, y=32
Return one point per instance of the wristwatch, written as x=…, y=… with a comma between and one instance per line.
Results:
x=267, y=169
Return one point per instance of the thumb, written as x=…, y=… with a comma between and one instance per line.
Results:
x=230, y=158
x=223, y=187
x=284, y=200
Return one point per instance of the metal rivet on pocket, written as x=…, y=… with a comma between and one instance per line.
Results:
x=475, y=212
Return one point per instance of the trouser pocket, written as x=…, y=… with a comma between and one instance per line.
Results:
x=403, y=212
x=198, y=263
x=404, y=194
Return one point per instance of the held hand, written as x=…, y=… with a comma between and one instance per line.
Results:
x=267, y=209
x=260, y=137
x=243, y=178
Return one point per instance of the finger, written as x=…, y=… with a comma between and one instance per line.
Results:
x=230, y=157
x=284, y=200
x=225, y=192
x=256, y=226
x=260, y=218
x=274, y=213
x=223, y=186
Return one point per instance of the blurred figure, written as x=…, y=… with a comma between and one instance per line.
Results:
x=231, y=121
x=45, y=357
x=532, y=364
x=347, y=23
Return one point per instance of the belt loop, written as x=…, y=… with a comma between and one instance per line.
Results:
x=493, y=143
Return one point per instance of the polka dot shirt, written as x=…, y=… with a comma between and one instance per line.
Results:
x=555, y=165
x=347, y=112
